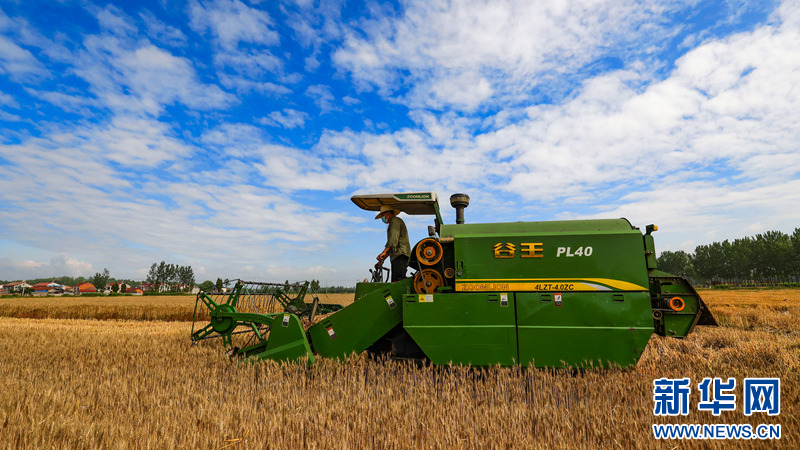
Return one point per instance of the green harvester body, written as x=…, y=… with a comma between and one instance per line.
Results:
x=574, y=293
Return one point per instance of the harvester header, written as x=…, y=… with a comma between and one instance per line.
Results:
x=548, y=294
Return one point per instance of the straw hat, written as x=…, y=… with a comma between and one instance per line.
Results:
x=385, y=209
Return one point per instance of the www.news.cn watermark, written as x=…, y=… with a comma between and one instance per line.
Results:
x=759, y=396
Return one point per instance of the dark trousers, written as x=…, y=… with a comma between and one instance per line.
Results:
x=399, y=267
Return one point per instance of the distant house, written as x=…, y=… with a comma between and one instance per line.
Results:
x=41, y=287
x=150, y=287
x=44, y=288
x=49, y=288
x=84, y=288
x=15, y=287
x=110, y=287
x=180, y=287
x=133, y=290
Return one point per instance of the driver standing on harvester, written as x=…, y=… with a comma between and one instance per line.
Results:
x=398, y=249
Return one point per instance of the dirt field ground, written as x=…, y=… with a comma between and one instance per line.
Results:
x=140, y=384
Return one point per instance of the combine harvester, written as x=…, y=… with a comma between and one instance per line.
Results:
x=546, y=294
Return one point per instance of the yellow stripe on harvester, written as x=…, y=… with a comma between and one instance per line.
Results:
x=546, y=284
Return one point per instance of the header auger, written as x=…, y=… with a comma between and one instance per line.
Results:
x=549, y=294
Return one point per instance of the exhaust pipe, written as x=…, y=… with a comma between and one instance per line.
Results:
x=459, y=202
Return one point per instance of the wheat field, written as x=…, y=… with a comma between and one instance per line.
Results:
x=134, y=307
x=88, y=383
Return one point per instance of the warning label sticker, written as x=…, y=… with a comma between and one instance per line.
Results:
x=557, y=298
x=331, y=333
x=285, y=320
x=504, y=299
x=426, y=298
x=390, y=301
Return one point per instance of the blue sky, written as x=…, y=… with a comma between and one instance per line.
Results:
x=230, y=135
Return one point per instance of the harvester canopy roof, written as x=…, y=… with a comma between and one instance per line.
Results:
x=411, y=203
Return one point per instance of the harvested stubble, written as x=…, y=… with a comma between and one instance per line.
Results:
x=167, y=308
x=88, y=383
x=774, y=310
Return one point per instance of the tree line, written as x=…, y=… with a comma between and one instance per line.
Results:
x=170, y=275
x=768, y=258
x=173, y=276
x=313, y=286
x=72, y=281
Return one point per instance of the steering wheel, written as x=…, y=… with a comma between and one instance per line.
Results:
x=377, y=272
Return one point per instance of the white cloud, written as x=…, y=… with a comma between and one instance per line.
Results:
x=244, y=85
x=277, y=166
x=136, y=142
x=59, y=265
x=10, y=117
x=67, y=102
x=132, y=76
x=318, y=26
x=113, y=20
x=730, y=105
x=160, y=76
x=126, y=73
x=322, y=96
x=214, y=218
x=465, y=91
x=49, y=50
x=250, y=63
x=350, y=100
x=304, y=3
x=161, y=32
x=241, y=35
x=237, y=140
x=8, y=100
x=407, y=160
x=232, y=22
x=289, y=118
x=19, y=63
x=510, y=47
x=290, y=169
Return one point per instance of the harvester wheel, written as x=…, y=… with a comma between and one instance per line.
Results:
x=427, y=281
x=429, y=252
